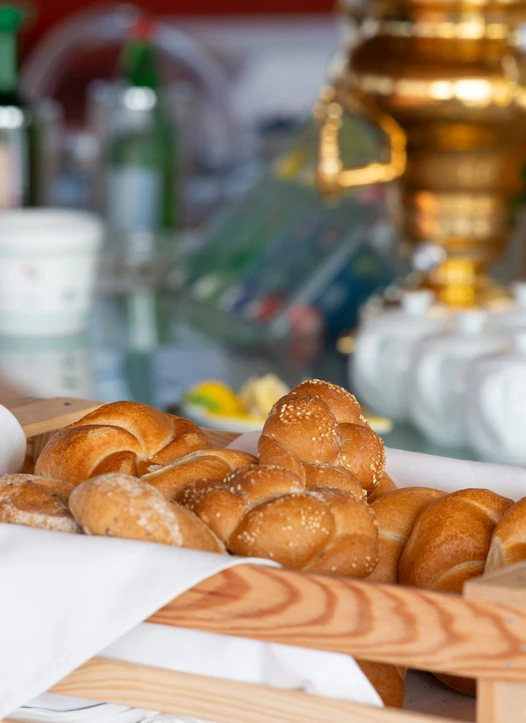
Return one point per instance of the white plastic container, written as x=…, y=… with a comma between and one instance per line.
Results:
x=48, y=261
x=384, y=350
x=440, y=373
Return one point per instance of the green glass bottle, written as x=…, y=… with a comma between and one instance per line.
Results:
x=18, y=172
x=141, y=155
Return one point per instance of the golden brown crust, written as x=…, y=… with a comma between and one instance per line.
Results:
x=342, y=403
x=125, y=437
x=385, y=485
x=466, y=686
x=388, y=680
x=119, y=505
x=305, y=426
x=36, y=502
x=397, y=513
x=363, y=454
x=173, y=478
x=450, y=540
x=508, y=543
x=266, y=511
x=320, y=476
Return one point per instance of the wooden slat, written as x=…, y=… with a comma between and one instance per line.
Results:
x=40, y=416
x=497, y=701
x=216, y=699
x=393, y=624
x=220, y=439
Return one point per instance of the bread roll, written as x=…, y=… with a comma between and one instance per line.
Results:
x=126, y=437
x=173, y=478
x=119, y=505
x=267, y=511
x=466, y=686
x=36, y=502
x=450, y=540
x=397, y=513
x=342, y=403
x=508, y=543
x=388, y=681
x=311, y=425
x=385, y=485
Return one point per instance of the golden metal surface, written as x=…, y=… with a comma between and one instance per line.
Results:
x=441, y=79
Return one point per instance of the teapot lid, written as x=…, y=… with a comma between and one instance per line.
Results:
x=417, y=301
x=471, y=322
x=519, y=293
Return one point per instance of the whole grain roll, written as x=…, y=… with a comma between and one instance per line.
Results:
x=451, y=539
x=33, y=501
x=397, y=513
x=119, y=505
x=508, y=542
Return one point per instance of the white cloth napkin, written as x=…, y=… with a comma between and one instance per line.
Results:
x=65, y=598
x=13, y=446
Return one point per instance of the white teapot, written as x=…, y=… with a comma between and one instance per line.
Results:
x=496, y=406
x=513, y=316
x=439, y=376
x=383, y=352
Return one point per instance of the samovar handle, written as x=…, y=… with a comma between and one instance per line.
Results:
x=333, y=176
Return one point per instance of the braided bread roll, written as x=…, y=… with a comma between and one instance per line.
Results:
x=385, y=485
x=508, y=543
x=212, y=464
x=126, y=437
x=449, y=545
x=321, y=422
x=36, y=502
x=119, y=505
x=397, y=513
x=268, y=511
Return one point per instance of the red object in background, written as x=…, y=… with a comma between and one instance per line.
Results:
x=48, y=13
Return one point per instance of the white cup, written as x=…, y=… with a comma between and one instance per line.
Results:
x=48, y=260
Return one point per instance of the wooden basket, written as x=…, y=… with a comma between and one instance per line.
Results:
x=481, y=634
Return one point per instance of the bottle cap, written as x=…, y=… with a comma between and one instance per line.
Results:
x=417, y=302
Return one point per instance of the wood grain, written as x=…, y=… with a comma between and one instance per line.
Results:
x=40, y=416
x=220, y=439
x=506, y=586
x=216, y=699
x=392, y=624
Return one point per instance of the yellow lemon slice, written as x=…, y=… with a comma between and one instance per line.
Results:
x=216, y=397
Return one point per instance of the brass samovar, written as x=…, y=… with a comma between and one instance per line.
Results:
x=441, y=79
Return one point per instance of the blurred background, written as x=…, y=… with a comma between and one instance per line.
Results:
x=200, y=207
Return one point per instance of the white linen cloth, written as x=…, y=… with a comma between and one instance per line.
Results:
x=65, y=598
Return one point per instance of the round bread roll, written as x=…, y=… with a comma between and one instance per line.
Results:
x=388, y=681
x=267, y=511
x=119, y=505
x=173, y=478
x=450, y=540
x=508, y=543
x=320, y=423
x=397, y=513
x=36, y=502
x=363, y=454
x=449, y=545
x=342, y=403
x=126, y=437
x=325, y=476
x=385, y=485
